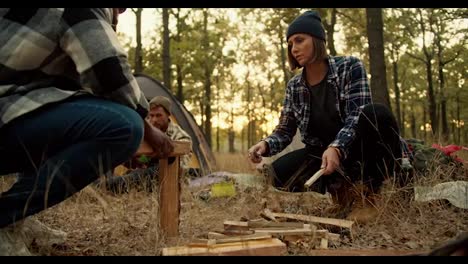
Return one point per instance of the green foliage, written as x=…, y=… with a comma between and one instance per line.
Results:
x=243, y=51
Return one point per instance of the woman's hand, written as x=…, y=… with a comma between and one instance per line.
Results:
x=160, y=142
x=257, y=150
x=330, y=160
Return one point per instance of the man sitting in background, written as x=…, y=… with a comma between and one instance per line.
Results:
x=145, y=169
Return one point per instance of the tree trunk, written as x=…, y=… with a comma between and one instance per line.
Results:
x=283, y=56
x=138, y=49
x=376, y=56
x=207, y=72
x=330, y=29
x=166, y=50
x=397, y=94
x=443, y=106
x=424, y=121
x=249, y=112
x=231, y=134
x=403, y=118
x=180, y=84
x=413, y=125
x=458, y=119
x=218, y=85
x=432, y=103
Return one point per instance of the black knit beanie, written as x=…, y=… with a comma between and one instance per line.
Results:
x=310, y=23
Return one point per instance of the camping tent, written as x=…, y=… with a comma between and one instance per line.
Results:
x=203, y=161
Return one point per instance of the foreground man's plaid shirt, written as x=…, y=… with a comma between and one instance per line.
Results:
x=351, y=98
x=49, y=55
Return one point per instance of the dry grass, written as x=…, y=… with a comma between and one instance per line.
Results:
x=99, y=223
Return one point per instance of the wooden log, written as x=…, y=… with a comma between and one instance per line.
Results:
x=275, y=224
x=236, y=225
x=215, y=235
x=282, y=232
x=323, y=243
x=236, y=232
x=264, y=247
x=314, y=178
x=180, y=148
x=169, y=198
x=224, y=240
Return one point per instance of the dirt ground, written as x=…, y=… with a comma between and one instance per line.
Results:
x=104, y=224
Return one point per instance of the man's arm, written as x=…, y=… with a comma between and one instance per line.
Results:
x=357, y=95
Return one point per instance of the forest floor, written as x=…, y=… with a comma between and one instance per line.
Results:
x=104, y=224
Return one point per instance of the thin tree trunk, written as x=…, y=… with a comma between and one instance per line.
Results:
x=403, y=118
x=458, y=119
x=207, y=72
x=413, y=125
x=330, y=29
x=231, y=134
x=397, y=94
x=432, y=103
x=376, y=56
x=138, y=49
x=424, y=121
x=218, y=85
x=166, y=50
x=180, y=83
x=283, y=55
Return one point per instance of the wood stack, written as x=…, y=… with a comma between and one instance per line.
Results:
x=262, y=237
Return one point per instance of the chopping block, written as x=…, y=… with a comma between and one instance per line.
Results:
x=169, y=187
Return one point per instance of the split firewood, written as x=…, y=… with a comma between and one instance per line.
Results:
x=216, y=241
x=314, y=178
x=256, y=224
x=323, y=243
x=281, y=232
x=234, y=232
x=236, y=225
x=265, y=247
x=216, y=235
x=316, y=219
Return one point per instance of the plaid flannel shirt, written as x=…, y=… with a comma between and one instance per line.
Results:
x=348, y=76
x=49, y=55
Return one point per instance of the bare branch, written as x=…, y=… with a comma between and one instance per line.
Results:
x=416, y=57
x=350, y=18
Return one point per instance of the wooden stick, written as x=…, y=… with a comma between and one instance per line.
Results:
x=323, y=243
x=267, y=214
x=180, y=148
x=314, y=178
x=216, y=235
x=316, y=219
x=242, y=238
x=169, y=197
x=265, y=247
x=297, y=231
x=275, y=224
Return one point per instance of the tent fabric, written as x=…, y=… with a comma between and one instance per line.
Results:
x=203, y=160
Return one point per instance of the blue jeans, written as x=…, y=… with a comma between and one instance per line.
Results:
x=60, y=148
